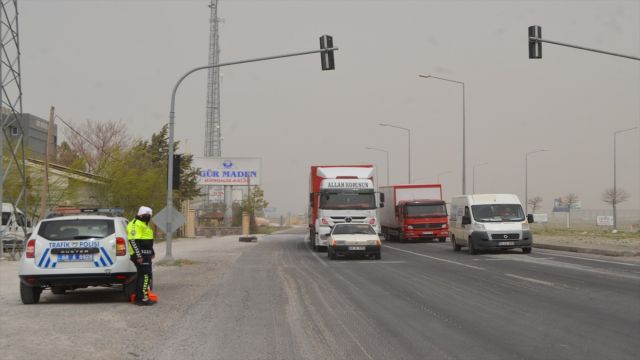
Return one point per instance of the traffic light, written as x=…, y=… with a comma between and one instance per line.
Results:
x=177, y=159
x=326, y=57
x=535, y=47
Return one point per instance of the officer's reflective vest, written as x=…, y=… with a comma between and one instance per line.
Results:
x=138, y=231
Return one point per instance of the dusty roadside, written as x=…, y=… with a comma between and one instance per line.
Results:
x=624, y=247
x=95, y=322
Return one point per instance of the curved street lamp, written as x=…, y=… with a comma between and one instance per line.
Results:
x=385, y=151
x=464, y=136
x=409, y=135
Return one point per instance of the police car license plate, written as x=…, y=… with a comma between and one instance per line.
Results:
x=356, y=248
x=75, y=257
x=506, y=243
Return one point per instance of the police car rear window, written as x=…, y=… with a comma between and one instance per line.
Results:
x=76, y=229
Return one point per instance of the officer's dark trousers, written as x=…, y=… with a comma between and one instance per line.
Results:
x=143, y=282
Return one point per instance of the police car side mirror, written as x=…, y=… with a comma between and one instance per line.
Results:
x=466, y=220
x=530, y=218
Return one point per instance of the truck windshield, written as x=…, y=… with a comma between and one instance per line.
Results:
x=420, y=211
x=497, y=212
x=347, y=199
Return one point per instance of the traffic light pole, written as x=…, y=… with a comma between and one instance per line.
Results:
x=168, y=255
x=583, y=48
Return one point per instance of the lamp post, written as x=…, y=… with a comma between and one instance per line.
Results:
x=474, y=176
x=327, y=64
x=464, y=154
x=615, y=189
x=409, y=151
x=526, y=178
x=385, y=151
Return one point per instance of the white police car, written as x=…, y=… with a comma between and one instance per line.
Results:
x=76, y=251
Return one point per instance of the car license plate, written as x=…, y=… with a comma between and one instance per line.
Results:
x=356, y=248
x=75, y=257
x=427, y=233
x=506, y=243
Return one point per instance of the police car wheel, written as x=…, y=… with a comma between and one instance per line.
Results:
x=30, y=294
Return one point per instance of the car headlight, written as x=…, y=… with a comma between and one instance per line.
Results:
x=409, y=227
x=478, y=226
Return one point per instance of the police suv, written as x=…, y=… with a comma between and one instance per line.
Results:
x=71, y=251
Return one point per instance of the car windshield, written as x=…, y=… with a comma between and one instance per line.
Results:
x=497, y=212
x=76, y=229
x=420, y=211
x=352, y=229
x=347, y=199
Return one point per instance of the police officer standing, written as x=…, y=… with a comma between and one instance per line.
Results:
x=141, y=251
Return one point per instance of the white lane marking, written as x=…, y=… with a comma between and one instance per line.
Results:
x=542, y=282
x=589, y=259
x=435, y=258
x=355, y=261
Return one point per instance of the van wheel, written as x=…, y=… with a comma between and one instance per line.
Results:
x=30, y=294
x=526, y=250
x=472, y=249
x=456, y=247
x=58, y=290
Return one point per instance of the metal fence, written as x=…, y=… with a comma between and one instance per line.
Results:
x=627, y=220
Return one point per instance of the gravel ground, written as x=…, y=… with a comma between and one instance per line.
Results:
x=95, y=322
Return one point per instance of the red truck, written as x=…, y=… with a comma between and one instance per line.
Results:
x=415, y=212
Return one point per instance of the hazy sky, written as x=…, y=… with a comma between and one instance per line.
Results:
x=110, y=60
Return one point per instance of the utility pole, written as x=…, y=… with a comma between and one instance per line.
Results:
x=44, y=194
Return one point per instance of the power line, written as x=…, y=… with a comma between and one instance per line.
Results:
x=84, y=138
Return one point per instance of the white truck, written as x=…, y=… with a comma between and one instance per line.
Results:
x=340, y=194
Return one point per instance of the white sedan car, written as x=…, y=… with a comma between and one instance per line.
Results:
x=354, y=239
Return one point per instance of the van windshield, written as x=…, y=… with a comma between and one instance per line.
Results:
x=497, y=212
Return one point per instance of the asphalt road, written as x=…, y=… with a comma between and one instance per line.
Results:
x=279, y=300
x=276, y=299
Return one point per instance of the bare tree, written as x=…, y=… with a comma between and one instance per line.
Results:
x=614, y=197
x=93, y=141
x=535, y=203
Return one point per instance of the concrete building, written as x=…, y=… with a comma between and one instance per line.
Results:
x=35, y=135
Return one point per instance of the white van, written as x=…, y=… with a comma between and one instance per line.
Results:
x=489, y=222
x=13, y=220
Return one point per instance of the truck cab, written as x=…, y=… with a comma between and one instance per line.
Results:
x=340, y=194
x=422, y=219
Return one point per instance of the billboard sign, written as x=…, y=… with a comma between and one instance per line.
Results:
x=228, y=171
x=604, y=220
